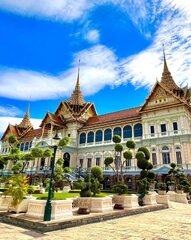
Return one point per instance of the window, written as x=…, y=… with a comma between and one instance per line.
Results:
x=90, y=138
x=117, y=131
x=107, y=135
x=99, y=136
x=42, y=163
x=163, y=129
x=81, y=162
x=178, y=155
x=98, y=161
x=138, y=130
x=152, y=130
x=128, y=163
x=22, y=147
x=30, y=145
x=175, y=127
x=154, y=158
x=178, y=158
x=165, y=155
x=82, y=138
x=26, y=146
x=89, y=163
x=18, y=145
x=127, y=132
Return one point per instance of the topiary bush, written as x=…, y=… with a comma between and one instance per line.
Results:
x=146, y=152
x=116, y=139
x=127, y=155
x=140, y=155
x=108, y=161
x=120, y=188
x=130, y=144
x=118, y=147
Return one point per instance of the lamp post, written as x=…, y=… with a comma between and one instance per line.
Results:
x=48, y=207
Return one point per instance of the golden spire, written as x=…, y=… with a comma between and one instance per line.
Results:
x=167, y=79
x=25, y=123
x=76, y=98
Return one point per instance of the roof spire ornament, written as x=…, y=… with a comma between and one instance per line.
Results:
x=167, y=79
x=76, y=98
x=25, y=123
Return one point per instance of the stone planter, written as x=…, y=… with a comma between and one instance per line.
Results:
x=172, y=196
x=66, y=189
x=181, y=198
x=180, y=191
x=84, y=204
x=103, y=204
x=23, y=206
x=163, y=199
x=126, y=201
x=150, y=199
x=161, y=192
x=60, y=209
x=5, y=202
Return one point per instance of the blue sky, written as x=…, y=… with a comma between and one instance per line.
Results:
x=119, y=44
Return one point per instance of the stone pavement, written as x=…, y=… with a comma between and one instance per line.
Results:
x=173, y=223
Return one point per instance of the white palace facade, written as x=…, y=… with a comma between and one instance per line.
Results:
x=162, y=124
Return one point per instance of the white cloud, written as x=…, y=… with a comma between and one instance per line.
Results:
x=99, y=64
x=4, y=121
x=10, y=110
x=98, y=67
x=92, y=36
x=66, y=10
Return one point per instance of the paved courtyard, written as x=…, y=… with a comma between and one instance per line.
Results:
x=174, y=223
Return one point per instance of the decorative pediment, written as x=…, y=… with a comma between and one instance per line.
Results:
x=160, y=96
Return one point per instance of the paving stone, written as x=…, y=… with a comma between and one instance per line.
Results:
x=169, y=224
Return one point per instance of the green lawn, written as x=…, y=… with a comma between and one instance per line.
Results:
x=62, y=196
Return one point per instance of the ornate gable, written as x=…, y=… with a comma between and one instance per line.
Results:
x=159, y=97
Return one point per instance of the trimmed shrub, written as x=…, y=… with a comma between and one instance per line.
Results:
x=140, y=155
x=146, y=152
x=116, y=139
x=127, y=155
x=108, y=161
x=118, y=147
x=120, y=188
x=130, y=144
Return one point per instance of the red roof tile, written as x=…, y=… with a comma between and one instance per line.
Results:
x=124, y=114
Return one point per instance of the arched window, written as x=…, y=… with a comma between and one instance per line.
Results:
x=117, y=131
x=22, y=147
x=107, y=135
x=165, y=155
x=178, y=155
x=99, y=136
x=26, y=146
x=18, y=145
x=82, y=138
x=127, y=132
x=154, y=156
x=30, y=145
x=90, y=137
x=138, y=131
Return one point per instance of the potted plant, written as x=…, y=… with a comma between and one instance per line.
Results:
x=179, y=189
x=84, y=200
x=123, y=200
x=161, y=188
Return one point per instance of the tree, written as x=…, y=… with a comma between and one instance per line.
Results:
x=96, y=178
x=118, y=162
x=146, y=176
x=12, y=140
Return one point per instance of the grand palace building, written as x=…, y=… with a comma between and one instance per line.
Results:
x=162, y=124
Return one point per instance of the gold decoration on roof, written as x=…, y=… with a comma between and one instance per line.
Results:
x=76, y=98
x=25, y=123
x=167, y=79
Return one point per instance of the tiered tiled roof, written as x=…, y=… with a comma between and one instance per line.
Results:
x=35, y=133
x=127, y=115
x=25, y=123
